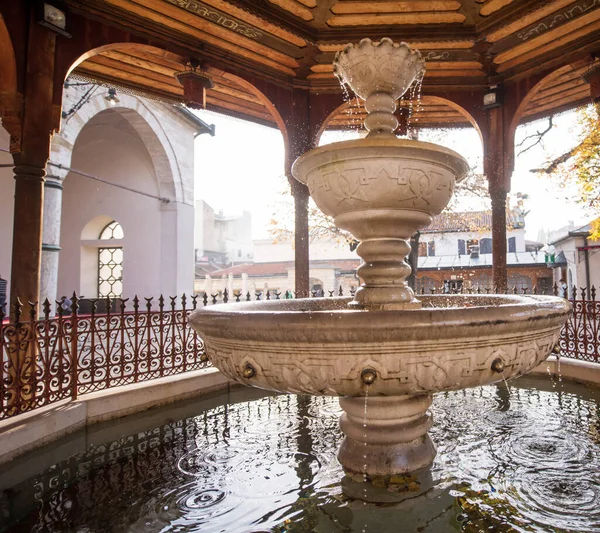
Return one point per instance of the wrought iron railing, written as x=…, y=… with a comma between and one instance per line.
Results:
x=45, y=359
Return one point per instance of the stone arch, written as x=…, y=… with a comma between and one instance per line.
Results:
x=426, y=98
x=92, y=229
x=141, y=117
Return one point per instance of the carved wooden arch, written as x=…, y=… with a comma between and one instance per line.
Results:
x=262, y=97
x=180, y=60
x=123, y=47
x=531, y=94
x=142, y=118
x=11, y=102
x=425, y=98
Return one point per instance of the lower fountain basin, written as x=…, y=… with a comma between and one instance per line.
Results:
x=322, y=347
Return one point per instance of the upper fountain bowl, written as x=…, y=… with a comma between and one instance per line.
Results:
x=378, y=67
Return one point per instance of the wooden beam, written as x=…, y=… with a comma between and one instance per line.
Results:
x=396, y=19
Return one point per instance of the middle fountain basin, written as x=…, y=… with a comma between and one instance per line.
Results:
x=322, y=347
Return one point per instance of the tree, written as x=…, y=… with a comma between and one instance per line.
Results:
x=581, y=165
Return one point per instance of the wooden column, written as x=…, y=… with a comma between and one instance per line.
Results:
x=497, y=167
x=499, y=245
x=301, y=136
x=301, y=239
x=30, y=164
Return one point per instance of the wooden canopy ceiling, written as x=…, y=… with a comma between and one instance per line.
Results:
x=467, y=44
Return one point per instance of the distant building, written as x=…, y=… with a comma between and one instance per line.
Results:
x=455, y=251
x=575, y=259
x=222, y=239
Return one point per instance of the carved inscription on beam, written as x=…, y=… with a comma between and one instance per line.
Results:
x=578, y=9
x=217, y=17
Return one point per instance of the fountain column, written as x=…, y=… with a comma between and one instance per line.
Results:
x=390, y=432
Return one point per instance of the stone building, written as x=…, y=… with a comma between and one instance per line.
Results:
x=454, y=252
x=222, y=239
x=118, y=197
x=575, y=259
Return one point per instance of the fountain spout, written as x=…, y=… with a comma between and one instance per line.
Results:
x=379, y=73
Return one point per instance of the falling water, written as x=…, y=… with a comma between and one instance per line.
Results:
x=506, y=384
x=365, y=478
x=345, y=92
x=414, y=100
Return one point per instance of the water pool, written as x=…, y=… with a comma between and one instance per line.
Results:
x=523, y=458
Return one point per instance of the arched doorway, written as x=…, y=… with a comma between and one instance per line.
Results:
x=120, y=163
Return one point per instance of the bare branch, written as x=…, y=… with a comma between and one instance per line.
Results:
x=558, y=160
x=539, y=135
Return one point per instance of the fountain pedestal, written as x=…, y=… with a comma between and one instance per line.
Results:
x=386, y=435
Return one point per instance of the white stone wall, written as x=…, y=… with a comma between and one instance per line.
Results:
x=158, y=242
x=7, y=192
x=143, y=146
x=576, y=267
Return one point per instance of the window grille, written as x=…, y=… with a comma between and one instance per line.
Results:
x=110, y=263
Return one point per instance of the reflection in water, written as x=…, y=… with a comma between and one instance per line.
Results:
x=525, y=462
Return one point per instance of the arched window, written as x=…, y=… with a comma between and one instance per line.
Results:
x=112, y=231
x=110, y=263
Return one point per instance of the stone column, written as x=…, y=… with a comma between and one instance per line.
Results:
x=53, y=192
x=244, y=285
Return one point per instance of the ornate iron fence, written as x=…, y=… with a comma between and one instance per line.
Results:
x=47, y=359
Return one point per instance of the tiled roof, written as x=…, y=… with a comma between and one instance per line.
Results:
x=583, y=231
x=470, y=221
x=281, y=267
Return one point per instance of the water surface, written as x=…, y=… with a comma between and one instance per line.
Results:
x=524, y=459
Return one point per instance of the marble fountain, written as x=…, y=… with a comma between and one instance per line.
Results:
x=384, y=353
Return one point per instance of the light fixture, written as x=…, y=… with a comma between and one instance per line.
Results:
x=194, y=81
x=111, y=97
x=53, y=18
x=493, y=98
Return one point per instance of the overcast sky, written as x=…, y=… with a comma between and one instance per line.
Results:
x=241, y=168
